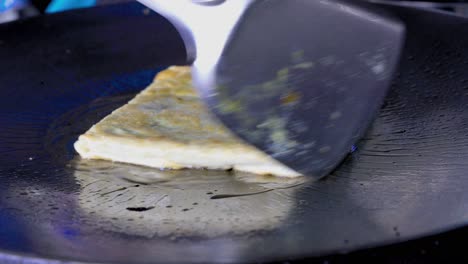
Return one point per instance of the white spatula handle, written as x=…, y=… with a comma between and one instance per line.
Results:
x=204, y=25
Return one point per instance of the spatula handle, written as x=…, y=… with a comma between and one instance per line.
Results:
x=204, y=25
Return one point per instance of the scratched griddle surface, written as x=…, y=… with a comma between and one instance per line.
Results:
x=59, y=74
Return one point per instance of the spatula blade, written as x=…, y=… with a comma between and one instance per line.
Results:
x=302, y=80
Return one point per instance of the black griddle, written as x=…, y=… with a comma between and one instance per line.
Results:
x=61, y=73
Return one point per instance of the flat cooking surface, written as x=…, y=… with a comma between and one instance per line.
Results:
x=60, y=74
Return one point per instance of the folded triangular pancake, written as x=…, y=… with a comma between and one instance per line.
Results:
x=167, y=126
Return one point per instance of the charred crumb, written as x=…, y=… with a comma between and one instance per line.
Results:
x=139, y=209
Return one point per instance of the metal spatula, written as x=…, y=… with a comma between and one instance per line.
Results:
x=299, y=79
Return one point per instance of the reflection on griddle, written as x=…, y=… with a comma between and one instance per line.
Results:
x=147, y=202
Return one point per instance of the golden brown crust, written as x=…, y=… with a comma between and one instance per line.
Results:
x=169, y=116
